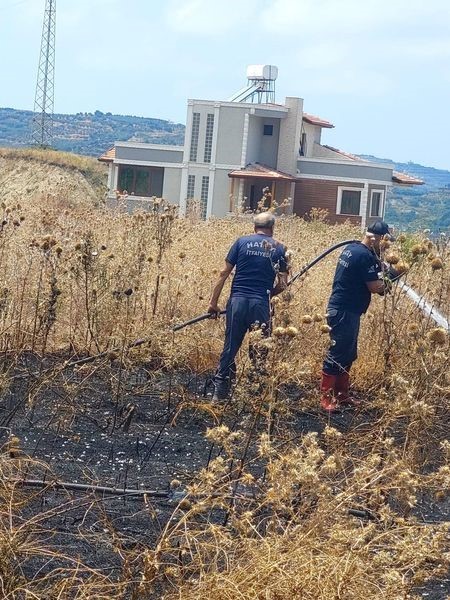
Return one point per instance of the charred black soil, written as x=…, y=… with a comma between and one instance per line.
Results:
x=133, y=430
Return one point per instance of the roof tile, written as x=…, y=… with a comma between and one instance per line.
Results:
x=108, y=156
x=255, y=170
x=406, y=179
x=313, y=120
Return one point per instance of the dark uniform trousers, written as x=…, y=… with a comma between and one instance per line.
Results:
x=344, y=332
x=242, y=315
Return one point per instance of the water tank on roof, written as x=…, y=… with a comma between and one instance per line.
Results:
x=262, y=72
x=260, y=86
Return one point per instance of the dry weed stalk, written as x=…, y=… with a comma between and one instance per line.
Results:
x=269, y=516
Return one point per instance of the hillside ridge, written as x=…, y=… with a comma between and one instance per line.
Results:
x=90, y=134
x=29, y=175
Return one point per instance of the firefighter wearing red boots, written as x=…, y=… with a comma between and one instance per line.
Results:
x=358, y=275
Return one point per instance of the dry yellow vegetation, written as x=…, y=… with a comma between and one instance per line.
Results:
x=33, y=173
x=78, y=280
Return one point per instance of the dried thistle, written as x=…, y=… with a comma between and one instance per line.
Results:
x=438, y=336
x=291, y=331
x=437, y=264
x=392, y=258
x=278, y=332
x=402, y=267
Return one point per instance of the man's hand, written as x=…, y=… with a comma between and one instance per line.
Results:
x=376, y=287
x=387, y=285
x=214, y=311
x=281, y=285
x=391, y=273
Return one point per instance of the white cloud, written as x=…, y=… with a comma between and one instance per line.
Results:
x=362, y=49
x=425, y=49
x=311, y=17
x=210, y=17
x=323, y=55
x=348, y=81
x=86, y=14
x=22, y=12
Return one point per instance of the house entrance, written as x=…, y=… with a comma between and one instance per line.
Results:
x=253, y=192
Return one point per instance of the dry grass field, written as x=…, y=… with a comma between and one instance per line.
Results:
x=262, y=498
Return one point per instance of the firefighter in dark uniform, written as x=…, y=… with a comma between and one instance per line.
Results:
x=358, y=275
x=260, y=262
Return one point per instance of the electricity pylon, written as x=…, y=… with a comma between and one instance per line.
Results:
x=42, y=127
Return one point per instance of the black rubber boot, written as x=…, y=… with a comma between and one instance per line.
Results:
x=221, y=389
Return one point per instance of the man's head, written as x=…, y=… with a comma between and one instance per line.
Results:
x=376, y=232
x=264, y=221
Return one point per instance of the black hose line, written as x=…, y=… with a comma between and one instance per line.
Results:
x=290, y=282
x=319, y=258
x=196, y=320
x=142, y=341
x=171, y=496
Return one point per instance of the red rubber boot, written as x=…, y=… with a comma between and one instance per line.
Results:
x=342, y=389
x=328, y=401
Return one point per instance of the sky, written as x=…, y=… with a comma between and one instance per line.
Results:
x=379, y=70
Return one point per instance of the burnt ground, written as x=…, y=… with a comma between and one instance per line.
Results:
x=129, y=430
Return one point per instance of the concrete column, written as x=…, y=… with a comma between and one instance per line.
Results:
x=188, y=132
x=110, y=177
x=115, y=177
x=183, y=190
x=290, y=208
x=215, y=133
x=232, y=199
x=245, y=140
x=240, y=197
x=386, y=191
x=363, y=209
x=290, y=132
x=212, y=174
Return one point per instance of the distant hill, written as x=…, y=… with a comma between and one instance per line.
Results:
x=433, y=178
x=89, y=133
x=416, y=207
x=421, y=206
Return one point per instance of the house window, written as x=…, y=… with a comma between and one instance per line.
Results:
x=141, y=181
x=376, y=203
x=190, y=187
x=349, y=201
x=209, y=137
x=194, y=137
x=204, y=196
x=268, y=129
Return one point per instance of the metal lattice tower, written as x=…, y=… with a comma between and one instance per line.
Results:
x=42, y=132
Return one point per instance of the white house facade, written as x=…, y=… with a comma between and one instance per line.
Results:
x=236, y=148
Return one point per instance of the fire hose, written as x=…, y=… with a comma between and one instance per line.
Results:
x=294, y=278
x=426, y=308
x=142, y=341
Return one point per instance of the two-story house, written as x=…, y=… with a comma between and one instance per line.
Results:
x=234, y=149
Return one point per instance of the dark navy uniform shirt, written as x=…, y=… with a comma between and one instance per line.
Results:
x=356, y=266
x=257, y=258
